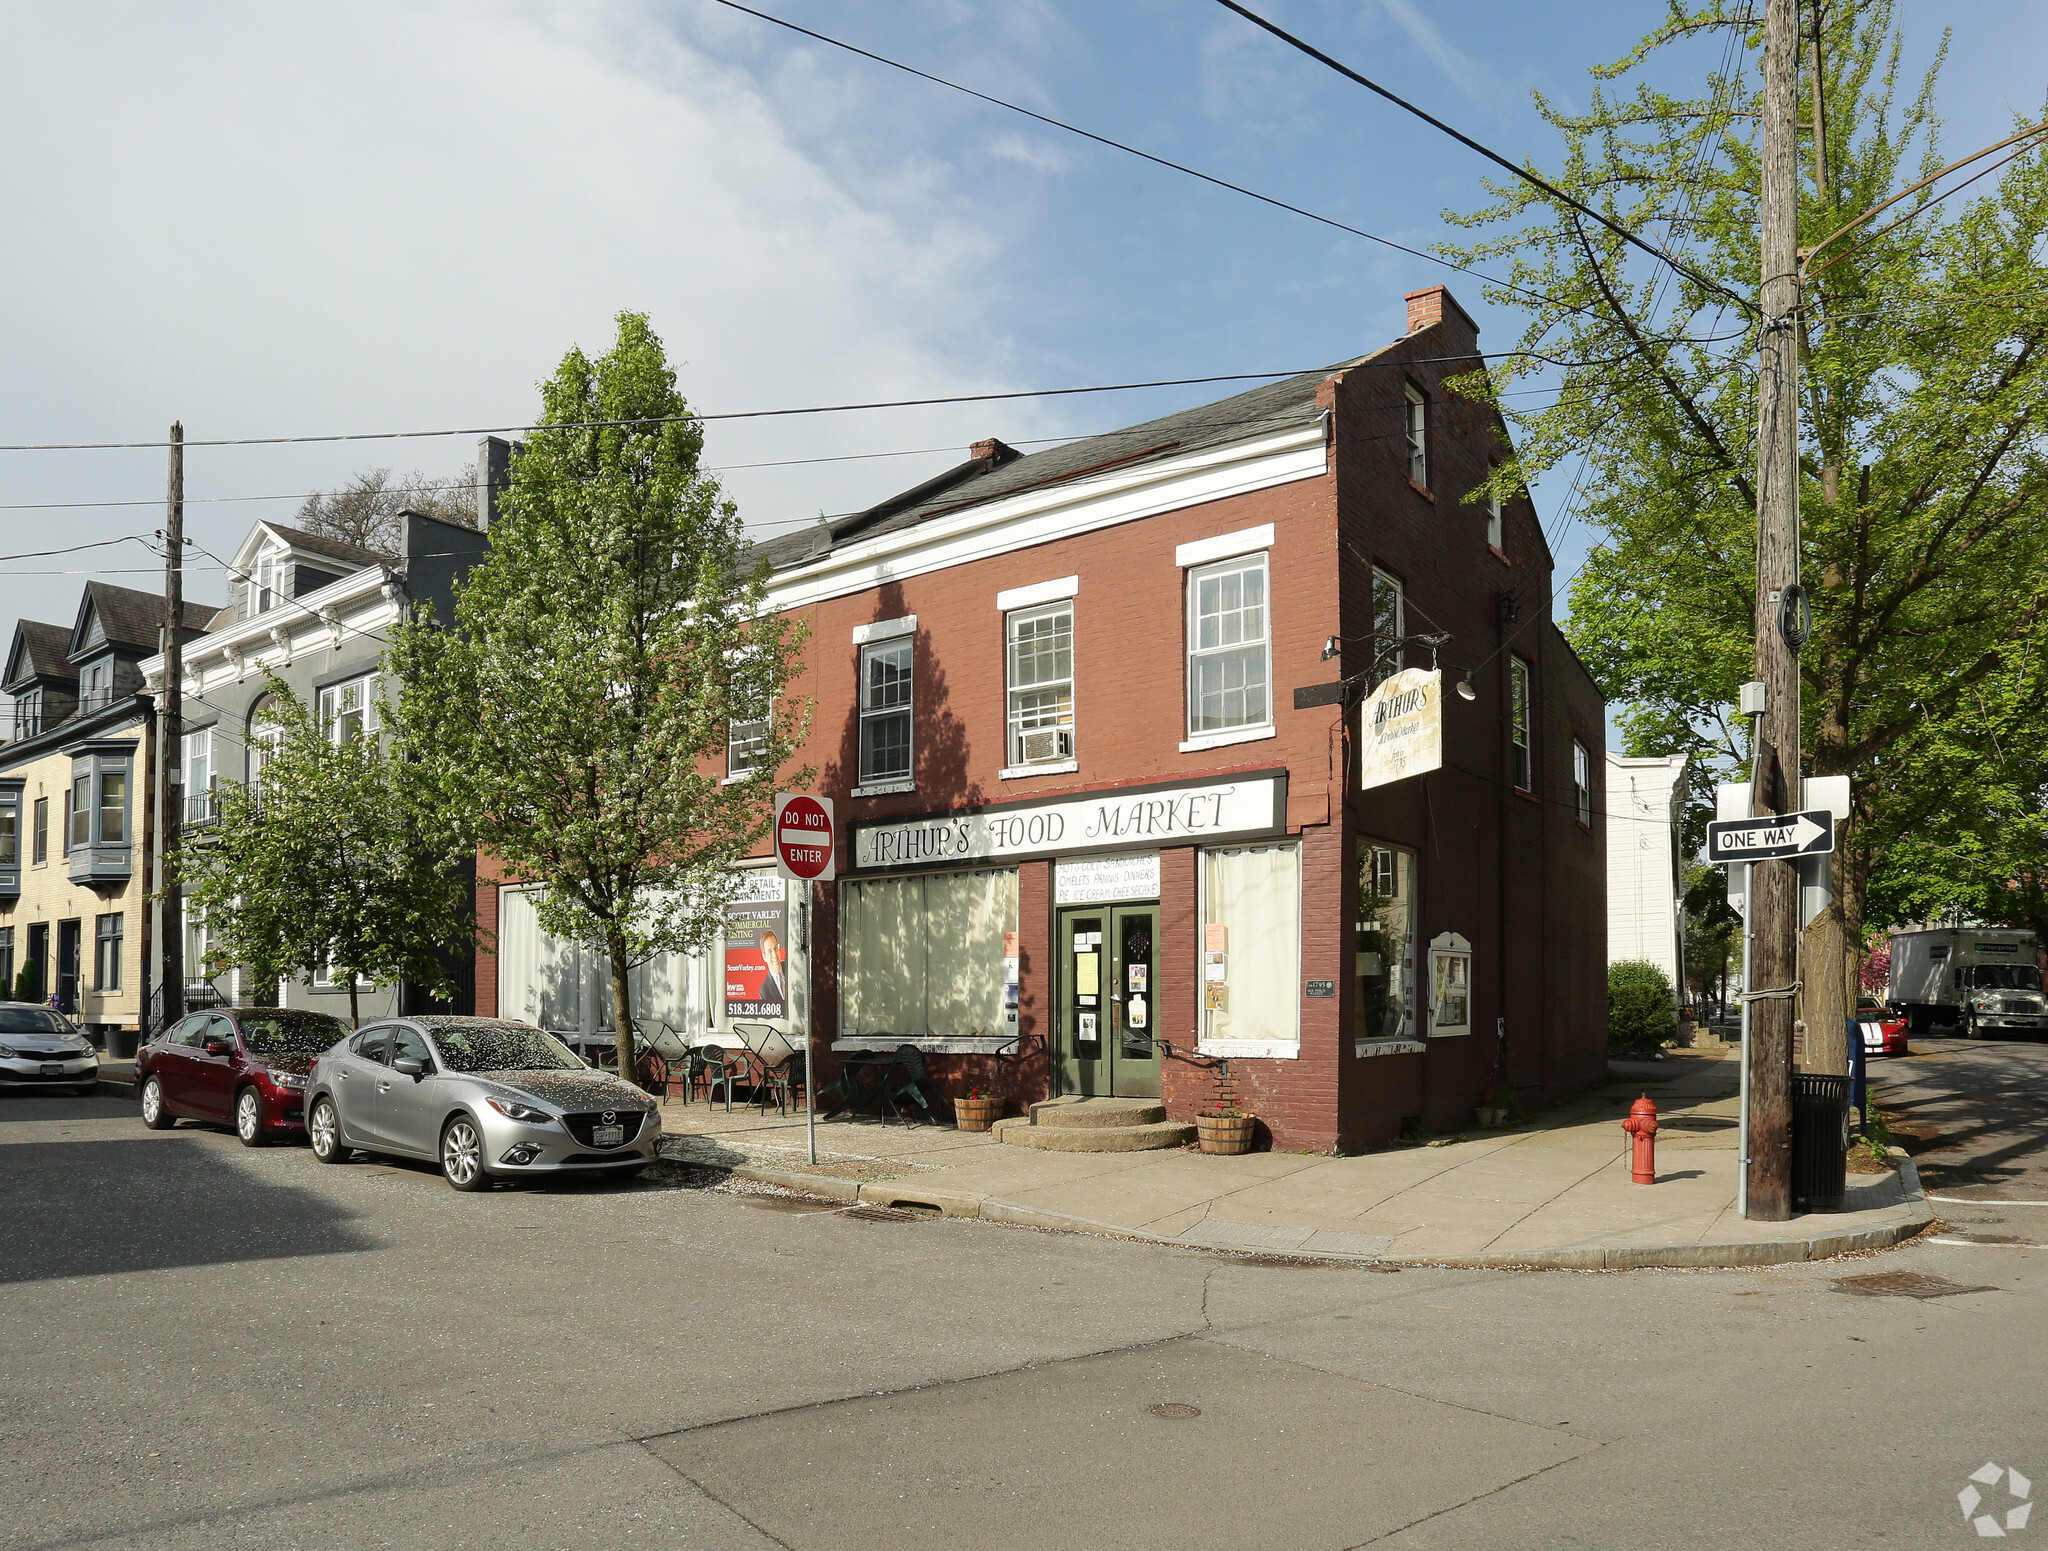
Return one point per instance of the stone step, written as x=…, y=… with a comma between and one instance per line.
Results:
x=1075, y=1112
x=1138, y=1138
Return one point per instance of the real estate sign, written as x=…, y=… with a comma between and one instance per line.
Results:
x=1401, y=728
x=756, y=947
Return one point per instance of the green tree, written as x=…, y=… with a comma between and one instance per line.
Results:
x=1712, y=927
x=1641, y=1013
x=579, y=711
x=334, y=858
x=1924, y=383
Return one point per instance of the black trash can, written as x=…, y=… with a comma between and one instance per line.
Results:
x=1820, y=1141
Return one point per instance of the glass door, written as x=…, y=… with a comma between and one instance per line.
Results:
x=1106, y=1000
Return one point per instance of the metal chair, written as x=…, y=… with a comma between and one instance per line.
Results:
x=783, y=1079
x=910, y=1063
x=710, y=1065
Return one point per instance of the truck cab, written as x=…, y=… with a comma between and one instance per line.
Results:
x=1980, y=981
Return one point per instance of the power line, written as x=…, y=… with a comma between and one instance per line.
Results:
x=1491, y=155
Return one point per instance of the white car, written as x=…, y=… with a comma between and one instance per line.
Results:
x=40, y=1049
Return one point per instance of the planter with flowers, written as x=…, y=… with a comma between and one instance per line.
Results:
x=1224, y=1130
x=979, y=1109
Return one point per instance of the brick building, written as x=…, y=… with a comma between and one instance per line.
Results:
x=1103, y=822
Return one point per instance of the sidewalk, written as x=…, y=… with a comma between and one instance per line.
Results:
x=1553, y=1191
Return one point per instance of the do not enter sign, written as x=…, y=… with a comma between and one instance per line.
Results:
x=805, y=839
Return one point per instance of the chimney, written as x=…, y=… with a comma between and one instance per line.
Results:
x=1431, y=307
x=493, y=474
x=995, y=454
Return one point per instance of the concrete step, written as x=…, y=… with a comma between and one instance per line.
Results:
x=1074, y=1112
x=1094, y=1138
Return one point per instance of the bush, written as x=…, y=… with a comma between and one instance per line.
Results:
x=1640, y=1013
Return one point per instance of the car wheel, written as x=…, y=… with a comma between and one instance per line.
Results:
x=249, y=1118
x=323, y=1130
x=1970, y=1029
x=462, y=1155
x=155, y=1113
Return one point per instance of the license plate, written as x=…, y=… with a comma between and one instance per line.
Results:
x=607, y=1136
x=52, y=1069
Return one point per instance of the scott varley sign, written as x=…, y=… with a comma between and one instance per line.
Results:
x=1130, y=819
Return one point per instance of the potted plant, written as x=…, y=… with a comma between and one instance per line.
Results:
x=1494, y=1107
x=1224, y=1130
x=979, y=1109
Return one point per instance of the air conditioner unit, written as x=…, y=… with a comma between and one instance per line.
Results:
x=1042, y=745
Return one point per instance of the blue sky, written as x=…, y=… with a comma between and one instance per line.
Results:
x=273, y=221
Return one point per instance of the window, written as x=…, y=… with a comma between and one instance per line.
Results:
x=10, y=841
x=113, y=807
x=106, y=960
x=39, y=839
x=98, y=685
x=1518, y=723
x=1251, y=911
x=199, y=775
x=1040, y=648
x=28, y=713
x=1389, y=625
x=347, y=711
x=1227, y=646
x=1493, y=520
x=6, y=961
x=746, y=736
x=1417, y=424
x=264, y=743
x=1582, y=782
x=922, y=958
x=78, y=813
x=1385, y=948
x=198, y=945
x=266, y=583
x=885, y=670
x=1450, y=979
x=745, y=742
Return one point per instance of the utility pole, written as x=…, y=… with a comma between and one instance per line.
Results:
x=1774, y=885
x=170, y=746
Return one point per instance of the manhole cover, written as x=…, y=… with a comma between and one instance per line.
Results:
x=1904, y=1284
x=1174, y=1411
x=883, y=1214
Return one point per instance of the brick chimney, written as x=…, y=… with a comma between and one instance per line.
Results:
x=1432, y=306
x=995, y=453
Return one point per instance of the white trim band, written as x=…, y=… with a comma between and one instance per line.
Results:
x=1251, y=1049
x=884, y=630
x=1224, y=546
x=1223, y=740
x=1038, y=592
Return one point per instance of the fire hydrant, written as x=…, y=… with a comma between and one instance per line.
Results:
x=1642, y=1125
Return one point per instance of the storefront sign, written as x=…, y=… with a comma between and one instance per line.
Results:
x=1240, y=807
x=756, y=951
x=1098, y=879
x=1401, y=729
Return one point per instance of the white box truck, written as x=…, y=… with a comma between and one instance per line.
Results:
x=1982, y=980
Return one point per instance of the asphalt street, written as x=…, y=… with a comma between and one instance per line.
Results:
x=216, y=1347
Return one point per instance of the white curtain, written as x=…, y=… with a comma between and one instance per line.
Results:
x=567, y=986
x=881, y=957
x=966, y=916
x=1255, y=893
x=922, y=958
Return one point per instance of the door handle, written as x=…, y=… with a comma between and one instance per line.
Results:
x=382, y=1086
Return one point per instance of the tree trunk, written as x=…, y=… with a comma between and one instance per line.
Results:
x=622, y=1013
x=355, y=1012
x=1823, y=953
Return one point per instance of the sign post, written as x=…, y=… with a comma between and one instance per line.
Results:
x=806, y=845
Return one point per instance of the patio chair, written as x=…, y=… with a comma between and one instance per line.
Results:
x=903, y=1081
x=783, y=1079
x=710, y=1065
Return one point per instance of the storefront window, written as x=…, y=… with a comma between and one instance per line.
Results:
x=1386, y=941
x=923, y=958
x=1251, y=945
x=566, y=987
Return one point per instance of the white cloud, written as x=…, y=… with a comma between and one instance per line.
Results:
x=1039, y=155
x=1471, y=77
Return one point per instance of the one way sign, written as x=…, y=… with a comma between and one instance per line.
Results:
x=1759, y=840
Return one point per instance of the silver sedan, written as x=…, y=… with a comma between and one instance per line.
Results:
x=486, y=1098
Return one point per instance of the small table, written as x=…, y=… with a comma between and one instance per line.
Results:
x=866, y=1071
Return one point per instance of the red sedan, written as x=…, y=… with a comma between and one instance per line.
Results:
x=1884, y=1031
x=245, y=1066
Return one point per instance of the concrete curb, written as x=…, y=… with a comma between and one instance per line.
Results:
x=1823, y=1244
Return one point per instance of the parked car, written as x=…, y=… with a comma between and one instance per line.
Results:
x=1884, y=1030
x=486, y=1098
x=39, y=1048
x=244, y=1066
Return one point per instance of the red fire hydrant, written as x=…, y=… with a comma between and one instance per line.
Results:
x=1642, y=1125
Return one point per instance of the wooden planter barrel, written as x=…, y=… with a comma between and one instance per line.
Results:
x=976, y=1114
x=1220, y=1134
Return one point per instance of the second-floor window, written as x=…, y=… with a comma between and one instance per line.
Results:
x=1417, y=425
x=10, y=820
x=746, y=735
x=347, y=711
x=113, y=795
x=1519, y=720
x=1582, y=782
x=885, y=692
x=1493, y=520
x=78, y=808
x=199, y=776
x=1228, y=646
x=264, y=743
x=1040, y=647
x=1389, y=625
x=40, y=838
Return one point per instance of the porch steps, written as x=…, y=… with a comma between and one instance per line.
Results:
x=1095, y=1125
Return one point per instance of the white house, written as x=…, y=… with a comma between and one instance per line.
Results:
x=1645, y=870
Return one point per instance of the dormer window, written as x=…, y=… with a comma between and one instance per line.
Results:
x=97, y=685
x=28, y=712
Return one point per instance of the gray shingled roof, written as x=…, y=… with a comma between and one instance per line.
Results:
x=131, y=618
x=41, y=648
x=334, y=549
x=1273, y=407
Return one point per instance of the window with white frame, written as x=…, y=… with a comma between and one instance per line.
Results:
x=746, y=735
x=198, y=944
x=78, y=813
x=348, y=710
x=1582, y=782
x=1251, y=915
x=113, y=806
x=923, y=957
x=265, y=740
x=10, y=833
x=1229, y=646
x=1039, y=646
x=1519, y=724
x=1417, y=426
x=199, y=774
x=885, y=696
x=1493, y=519
x=1450, y=982
x=1389, y=625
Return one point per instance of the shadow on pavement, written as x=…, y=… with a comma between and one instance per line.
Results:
x=94, y=1208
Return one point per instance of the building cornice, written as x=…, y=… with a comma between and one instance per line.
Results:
x=360, y=603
